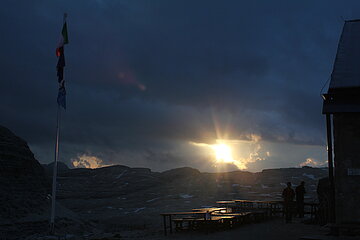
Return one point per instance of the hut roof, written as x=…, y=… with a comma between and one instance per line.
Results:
x=344, y=89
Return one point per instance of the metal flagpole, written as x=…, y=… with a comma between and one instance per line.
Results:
x=53, y=195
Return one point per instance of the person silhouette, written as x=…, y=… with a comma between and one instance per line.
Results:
x=300, y=192
x=288, y=195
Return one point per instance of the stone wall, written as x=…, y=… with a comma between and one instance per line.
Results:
x=347, y=166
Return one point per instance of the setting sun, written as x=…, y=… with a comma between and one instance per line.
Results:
x=223, y=153
x=227, y=152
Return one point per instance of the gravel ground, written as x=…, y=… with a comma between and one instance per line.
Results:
x=270, y=230
x=274, y=229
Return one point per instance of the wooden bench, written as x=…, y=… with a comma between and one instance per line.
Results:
x=194, y=223
x=192, y=219
x=167, y=219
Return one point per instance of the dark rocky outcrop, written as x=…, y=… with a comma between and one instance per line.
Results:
x=16, y=159
x=23, y=183
x=24, y=193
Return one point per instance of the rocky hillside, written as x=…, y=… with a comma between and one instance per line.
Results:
x=119, y=194
x=24, y=186
x=24, y=193
x=118, y=197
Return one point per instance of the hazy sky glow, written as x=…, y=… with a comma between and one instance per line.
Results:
x=148, y=82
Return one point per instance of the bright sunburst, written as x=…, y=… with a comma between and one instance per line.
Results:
x=223, y=153
x=227, y=152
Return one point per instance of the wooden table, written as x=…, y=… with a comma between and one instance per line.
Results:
x=170, y=214
x=274, y=206
x=210, y=209
x=207, y=224
x=269, y=206
x=250, y=206
x=240, y=218
x=225, y=202
x=167, y=217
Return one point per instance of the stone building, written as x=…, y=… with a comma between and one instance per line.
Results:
x=342, y=110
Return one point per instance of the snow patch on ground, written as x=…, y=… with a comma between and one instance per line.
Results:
x=121, y=174
x=154, y=199
x=309, y=176
x=139, y=209
x=185, y=196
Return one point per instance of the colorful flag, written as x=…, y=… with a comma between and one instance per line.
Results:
x=61, y=99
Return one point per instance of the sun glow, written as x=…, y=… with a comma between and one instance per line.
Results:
x=223, y=153
x=233, y=152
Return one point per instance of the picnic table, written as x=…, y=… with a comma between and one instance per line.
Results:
x=210, y=209
x=195, y=223
x=261, y=209
x=196, y=216
x=229, y=213
x=169, y=217
x=228, y=204
x=239, y=218
x=272, y=207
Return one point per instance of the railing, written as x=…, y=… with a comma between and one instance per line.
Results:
x=273, y=208
x=231, y=213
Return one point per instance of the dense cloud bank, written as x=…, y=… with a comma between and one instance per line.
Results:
x=145, y=78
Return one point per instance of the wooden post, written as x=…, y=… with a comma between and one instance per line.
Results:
x=164, y=221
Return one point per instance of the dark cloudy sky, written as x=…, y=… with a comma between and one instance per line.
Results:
x=151, y=83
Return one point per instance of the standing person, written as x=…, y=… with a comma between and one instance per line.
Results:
x=300, y=192
x=288, y=195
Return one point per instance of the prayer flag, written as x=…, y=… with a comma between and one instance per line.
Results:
x=60, y=66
